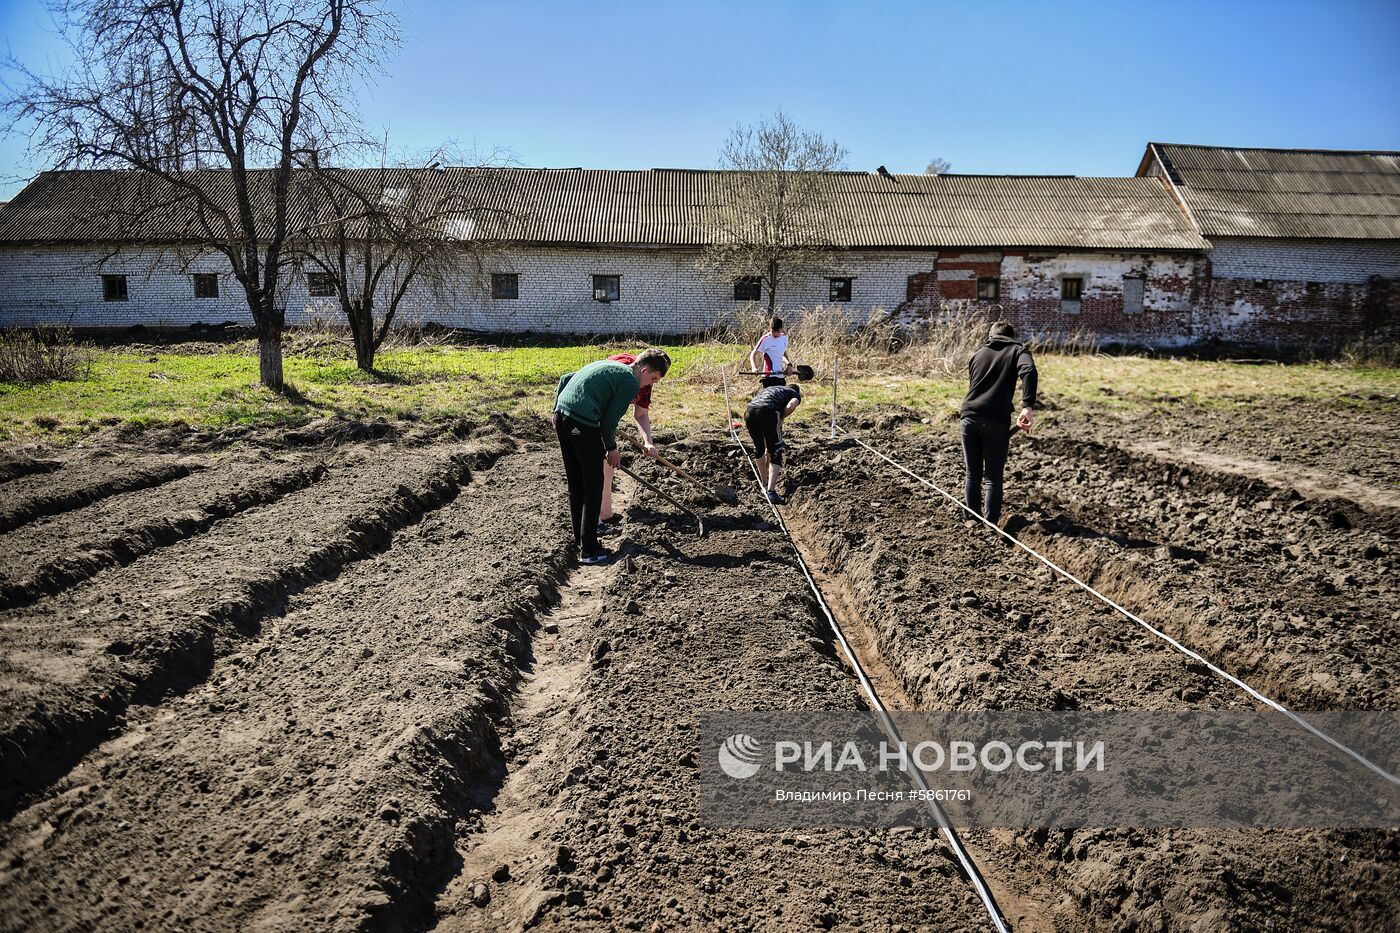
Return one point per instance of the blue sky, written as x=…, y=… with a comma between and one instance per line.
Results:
x=993, y=87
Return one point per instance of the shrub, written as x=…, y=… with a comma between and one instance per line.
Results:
x=44, y=354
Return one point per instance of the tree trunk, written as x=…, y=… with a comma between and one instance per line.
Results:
x=772, y=288
x=270, y=361
x=362, y=321
x=364, y=353
x=269, y=326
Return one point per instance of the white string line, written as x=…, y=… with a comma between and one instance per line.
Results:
x=1273, y=704
x=949, y=834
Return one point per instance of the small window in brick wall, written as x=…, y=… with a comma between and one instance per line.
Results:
x=748, y=288
x=320, y=284
x=988, y=288
x=1134, y=290
x=1071, y=292
x=607, y=287
x=114, y=288
x=840, y=290
x=206, y=285
x=505, y=285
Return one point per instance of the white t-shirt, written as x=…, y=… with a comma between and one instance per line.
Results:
x=773, y=350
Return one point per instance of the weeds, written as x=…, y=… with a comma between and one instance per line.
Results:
x=46, y=354
x=936, y=346
x=1369, y=353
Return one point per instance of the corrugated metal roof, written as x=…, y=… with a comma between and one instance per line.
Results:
x=662, y=207
x=1296, y=193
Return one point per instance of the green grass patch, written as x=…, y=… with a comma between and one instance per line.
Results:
x=217, y=387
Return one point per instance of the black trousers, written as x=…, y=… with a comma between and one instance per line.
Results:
x=766, y=431
x=984, y=452
x=582, y=447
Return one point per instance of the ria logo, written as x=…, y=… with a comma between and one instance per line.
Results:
x=738, y=756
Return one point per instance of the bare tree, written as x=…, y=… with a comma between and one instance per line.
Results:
x=938, y=167
x=379, y=234
x=774, y=217
x=211, y=102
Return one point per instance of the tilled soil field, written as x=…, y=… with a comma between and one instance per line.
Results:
x=369, y=690
x=365, y=686
x=1295, y=595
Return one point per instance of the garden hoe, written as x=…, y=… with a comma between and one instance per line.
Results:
x=724, y=493
x=663, y=495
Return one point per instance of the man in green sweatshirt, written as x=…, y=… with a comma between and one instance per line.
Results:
x=587, y=407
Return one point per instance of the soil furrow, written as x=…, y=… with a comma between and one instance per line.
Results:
x=542, y=731
x=1282, y=592
x=968, y=622
x=1355, y=435
x=1339, y=500
x=73, y=664
x=48, y=556
x=77, y=485
x=318, y=778
x=682, y=630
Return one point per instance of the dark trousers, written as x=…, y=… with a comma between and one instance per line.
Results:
x=984, y=453
x=766, y=431
x=582, y=447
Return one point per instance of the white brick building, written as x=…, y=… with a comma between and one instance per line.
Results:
x=1123, y=258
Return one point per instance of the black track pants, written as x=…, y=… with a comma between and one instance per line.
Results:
x=582, y=447
x=984, y=452
x=766, y=431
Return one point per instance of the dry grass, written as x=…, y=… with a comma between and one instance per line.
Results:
x=1370, y=354
x=936, y=346
x=328, y=337
x=45, y=354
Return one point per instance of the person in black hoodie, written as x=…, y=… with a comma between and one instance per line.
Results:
x=986, y=414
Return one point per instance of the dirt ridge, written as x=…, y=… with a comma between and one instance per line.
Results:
x=358, y=721
x=51, y=497
x=86, y=557
x=14, y=466
x=172, y=657
x=965, y=618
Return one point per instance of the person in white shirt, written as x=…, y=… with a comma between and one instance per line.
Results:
x=773, y=348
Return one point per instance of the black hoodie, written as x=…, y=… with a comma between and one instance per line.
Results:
x=991, y=380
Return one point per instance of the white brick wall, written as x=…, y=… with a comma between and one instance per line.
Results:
x=48, y=285
x=1304, y=260
x=662, y=290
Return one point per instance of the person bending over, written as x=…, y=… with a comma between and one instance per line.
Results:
x=587, y=407
x=641, y=413
x=773, y=347
x=986, y=415
x=764, y=419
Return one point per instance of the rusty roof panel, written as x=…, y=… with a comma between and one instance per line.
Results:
x=1293, y=193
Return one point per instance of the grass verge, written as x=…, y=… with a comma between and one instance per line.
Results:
x=214, y=387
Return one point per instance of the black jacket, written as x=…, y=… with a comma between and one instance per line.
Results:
x=991, y=380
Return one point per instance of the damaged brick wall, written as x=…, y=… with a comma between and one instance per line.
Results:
x=1300, y=292
x=1029, y=285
